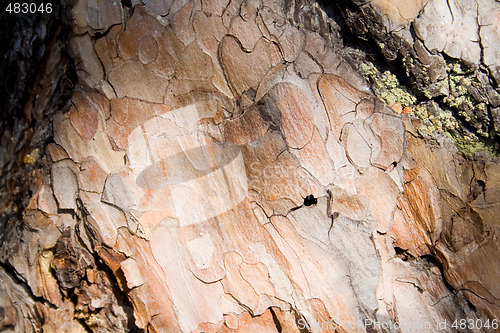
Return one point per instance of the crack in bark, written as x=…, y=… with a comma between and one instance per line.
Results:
x=20, y=281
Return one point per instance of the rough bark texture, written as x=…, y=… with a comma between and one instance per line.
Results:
x=252, y=166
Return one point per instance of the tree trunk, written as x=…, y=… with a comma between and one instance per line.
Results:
x=251, y=166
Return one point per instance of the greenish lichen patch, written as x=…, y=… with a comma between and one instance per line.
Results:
x=472, y=110
x=387, y=87
x=445, y=123
x=436, y=122
x=458, y=95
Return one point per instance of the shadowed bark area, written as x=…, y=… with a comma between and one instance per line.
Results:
x=36, y=82
x=250, y=166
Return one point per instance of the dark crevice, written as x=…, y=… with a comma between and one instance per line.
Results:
x=121, y=296
x=126, y=3
x=432, y=260
x=276, y=320
x=402, y=254
x=425, y=262
x=85, y=326
x=301, y=322
x=337, y=10
x=101, y=34
x=14, y=275
x=478, y=189
x=470, y=305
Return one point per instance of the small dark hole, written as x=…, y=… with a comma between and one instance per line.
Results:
x=402, y=254
x=310, y=200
